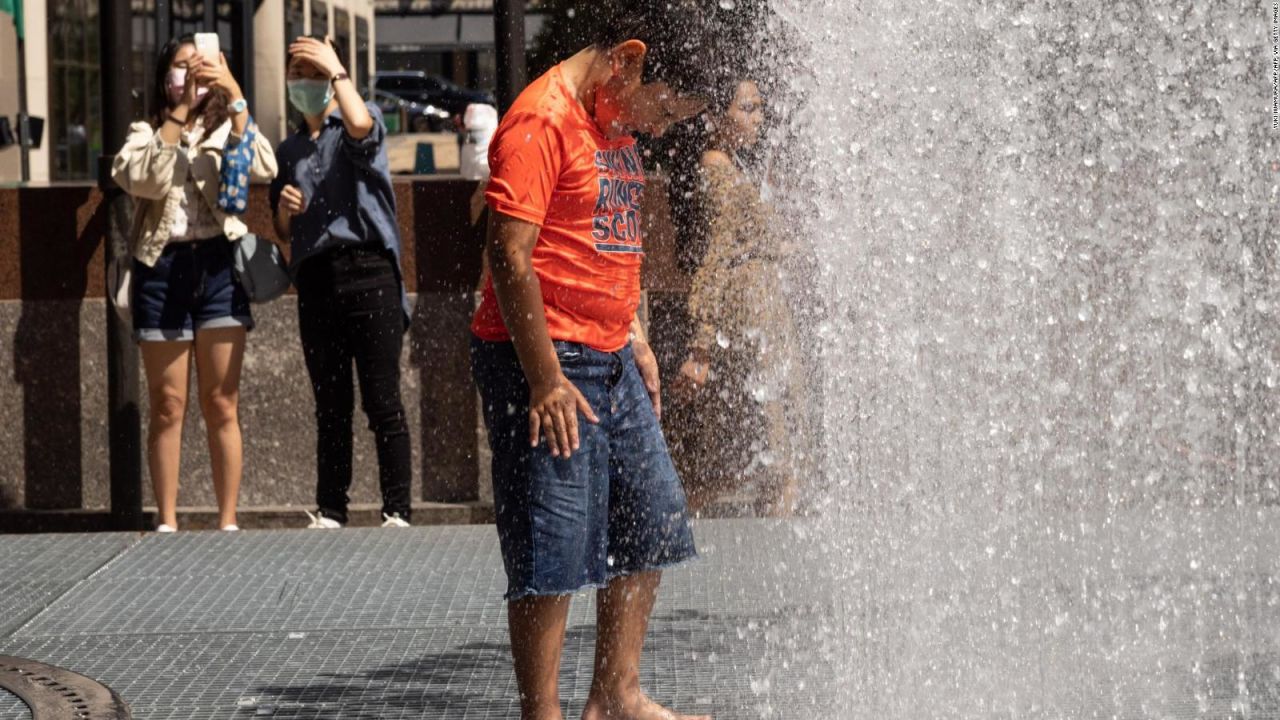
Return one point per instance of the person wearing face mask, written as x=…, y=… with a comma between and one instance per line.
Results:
x=740, y=418
x=585, y=492
x=188, y=170
x=334, y=203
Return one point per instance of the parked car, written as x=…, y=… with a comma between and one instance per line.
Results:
x=419, y=87
x=418, y=117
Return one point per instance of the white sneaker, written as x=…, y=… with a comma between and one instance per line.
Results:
x=320, y=522
x=230, y=528
x=163, y=528
x=393, y=521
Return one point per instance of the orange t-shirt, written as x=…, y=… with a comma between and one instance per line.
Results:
x=552, y=166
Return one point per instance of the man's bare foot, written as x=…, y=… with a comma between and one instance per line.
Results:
x=636, y=706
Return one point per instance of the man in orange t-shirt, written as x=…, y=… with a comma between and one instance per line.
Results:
x=556, y=336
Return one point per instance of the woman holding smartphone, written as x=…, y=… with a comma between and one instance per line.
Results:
x=188, y=170
x=334, y=203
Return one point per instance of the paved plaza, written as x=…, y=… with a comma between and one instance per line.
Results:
x=1170, y=615
x=357, y=624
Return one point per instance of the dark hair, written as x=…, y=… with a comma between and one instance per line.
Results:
x=213, y=110
x=676, y=33
x=726, y=47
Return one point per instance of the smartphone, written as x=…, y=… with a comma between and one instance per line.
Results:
x=207, y=46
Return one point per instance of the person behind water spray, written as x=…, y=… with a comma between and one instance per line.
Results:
x=333, y=201
x=738, y=415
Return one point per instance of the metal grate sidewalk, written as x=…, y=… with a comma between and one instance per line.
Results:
x=373, y=623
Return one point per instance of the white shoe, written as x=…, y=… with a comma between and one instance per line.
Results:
x=230, y=528
x=393, y=521
x=320, y=522
x=163, y=528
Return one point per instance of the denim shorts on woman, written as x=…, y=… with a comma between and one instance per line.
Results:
x=192, y=287
x=614, y=507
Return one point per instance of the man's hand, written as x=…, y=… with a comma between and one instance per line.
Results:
x=647, y=364
x=553, y=413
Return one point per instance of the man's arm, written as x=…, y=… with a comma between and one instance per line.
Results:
x=554, y=402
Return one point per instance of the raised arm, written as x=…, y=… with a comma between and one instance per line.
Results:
x=355, y=116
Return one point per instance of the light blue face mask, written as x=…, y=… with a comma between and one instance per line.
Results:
x=310, y=97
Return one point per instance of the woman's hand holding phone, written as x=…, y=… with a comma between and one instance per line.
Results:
x=216, y=74
x=192, y=84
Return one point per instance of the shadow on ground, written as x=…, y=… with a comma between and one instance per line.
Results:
x=476, y=680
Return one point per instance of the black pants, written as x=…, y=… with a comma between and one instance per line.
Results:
x=349, y=311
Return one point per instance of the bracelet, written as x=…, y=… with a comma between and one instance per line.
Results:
x=339, y=76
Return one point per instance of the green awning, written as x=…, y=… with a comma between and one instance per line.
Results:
x=14, y=8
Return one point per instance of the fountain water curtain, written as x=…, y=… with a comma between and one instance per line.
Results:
x=1047, y=323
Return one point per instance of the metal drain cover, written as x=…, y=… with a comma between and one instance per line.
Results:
x=53, y=693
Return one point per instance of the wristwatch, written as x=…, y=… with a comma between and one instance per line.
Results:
x=239, y=106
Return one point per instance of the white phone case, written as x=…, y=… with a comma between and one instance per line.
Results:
x=207, y=45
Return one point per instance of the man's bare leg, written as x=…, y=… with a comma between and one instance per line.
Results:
x=621, y=622
x=537, y=639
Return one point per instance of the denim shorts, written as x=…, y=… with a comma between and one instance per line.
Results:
x=192, y=287
x=614, y=507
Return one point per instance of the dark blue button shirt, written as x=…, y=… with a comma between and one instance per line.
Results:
x=346, y=184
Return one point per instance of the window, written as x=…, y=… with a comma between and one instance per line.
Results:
x=342, y=36
x=294, y=22
x=295, y=18
x=187, y=17
x=362, y=54
x=143, y=57
x=75, y=112
x=319, y=18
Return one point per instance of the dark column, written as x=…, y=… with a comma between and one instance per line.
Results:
x=164, y=22
x=23, y=146
x=123, y=419
x=508, y=38
x=244, y=48
x=446, y=267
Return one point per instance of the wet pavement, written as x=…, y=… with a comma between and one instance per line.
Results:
x=1150, y=613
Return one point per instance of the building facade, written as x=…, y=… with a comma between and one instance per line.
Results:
x=62, y=67
x=452, y=39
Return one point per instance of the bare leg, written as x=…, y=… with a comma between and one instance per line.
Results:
x=168, y=369
x=621, y=623
x=537, y=640
x=219, y=356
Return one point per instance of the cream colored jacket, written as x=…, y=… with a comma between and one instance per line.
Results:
x=155, y=173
